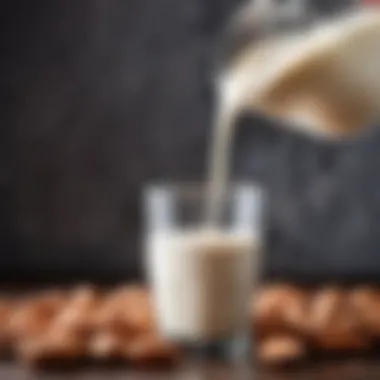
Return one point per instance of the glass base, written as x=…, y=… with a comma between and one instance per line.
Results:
x=233, y=350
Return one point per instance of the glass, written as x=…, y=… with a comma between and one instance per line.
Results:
x=202, y=278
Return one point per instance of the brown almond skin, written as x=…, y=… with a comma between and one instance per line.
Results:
x=78, y=312
x=151, y=350
x=84, y=296
x=6, y=311
x=32, y=315
x=279, y=308
x=28, y=321
x=48, y=303
x=127, y=295
x=139, y=317
x=333, y=324
x=107, y=345
x=280, y=350
x=128, y=311
x=55, y=336
x=366, y=303
x=54, y=346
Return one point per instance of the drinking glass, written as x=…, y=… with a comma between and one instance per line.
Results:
x=202, y=276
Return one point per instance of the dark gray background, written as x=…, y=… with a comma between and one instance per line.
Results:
x=98, y=97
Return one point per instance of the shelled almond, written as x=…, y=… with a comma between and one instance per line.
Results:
x=280, y=308
x=281, y=349
x=334, y=323
x=366, y=304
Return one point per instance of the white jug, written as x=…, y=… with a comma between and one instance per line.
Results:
x=321, y=76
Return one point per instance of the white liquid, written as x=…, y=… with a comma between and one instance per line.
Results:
x=201, y=283
x=219, y=168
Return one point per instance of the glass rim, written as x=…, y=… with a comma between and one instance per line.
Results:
x=200, y=188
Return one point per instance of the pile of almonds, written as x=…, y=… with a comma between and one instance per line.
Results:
x=288, y=323
x=291, y=323
x=67, y=327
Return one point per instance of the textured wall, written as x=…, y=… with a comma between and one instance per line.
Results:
x=324, y=200
x=97, y=97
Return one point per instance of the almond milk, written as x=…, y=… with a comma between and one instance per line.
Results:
x=202, y=282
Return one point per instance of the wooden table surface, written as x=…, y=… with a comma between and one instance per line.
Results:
x=347, y=370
